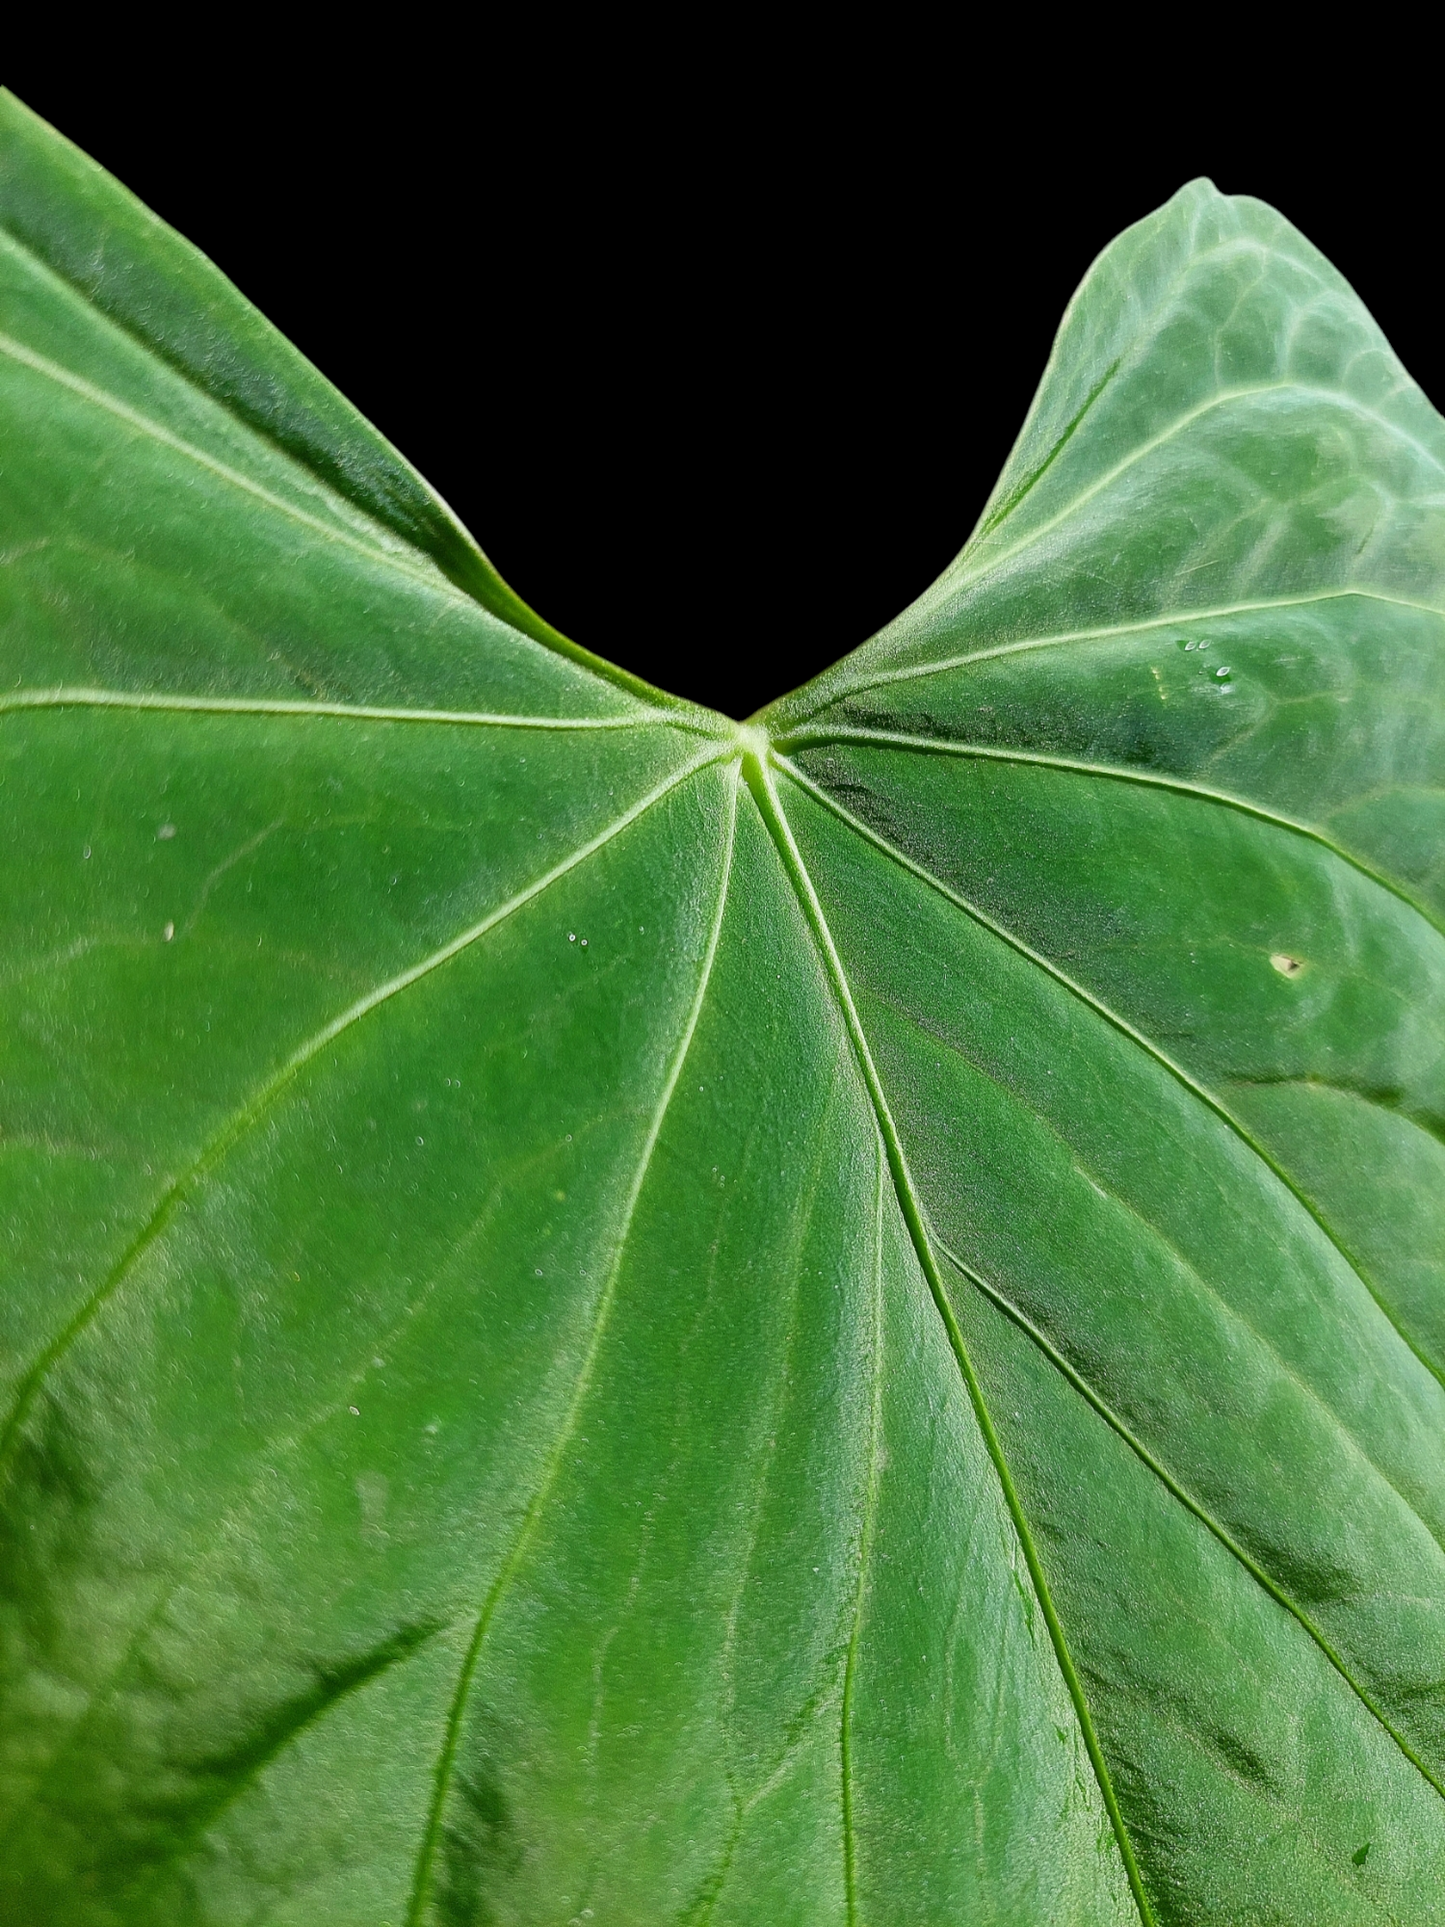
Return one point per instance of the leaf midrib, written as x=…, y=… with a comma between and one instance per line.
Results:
x=770, y=807
x=67, y=696
x=1121, y=1024
x=1082, y=1385
x=794, y=866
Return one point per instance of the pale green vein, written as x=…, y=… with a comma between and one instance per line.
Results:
x=218, y=1523
x=1143, y=342
x=1121, y=1024
x=1175, y=619
x=512, y=611
x=760, y=782
x=256, y=1106
x=108, y=323
x=66, y=697
x=446, y=1763
x=1223, y=1307
x=786, y=1262
x=1380, y=1098
x=432, y=580
x=1111, y=772
x=1306, y=391
x=865, y=1556
x=1006, y=507
x=1185, y=1498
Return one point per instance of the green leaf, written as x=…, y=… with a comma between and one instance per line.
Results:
x=612, y=1316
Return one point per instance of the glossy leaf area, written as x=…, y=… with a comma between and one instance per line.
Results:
x=614, y=1317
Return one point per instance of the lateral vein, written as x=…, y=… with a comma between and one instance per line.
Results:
x=865, y=1553
x=42, y=365
x=771, y=808
x=446, y=1763
x=1105, y=772
x=1335, y=396
x=1175, y=619
x=1185, y=1498
x=255, y=1107
x=1121, y=1024
x=531, y=625
x=67, y=697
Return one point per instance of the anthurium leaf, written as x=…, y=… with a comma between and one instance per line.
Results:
x=612, y=1316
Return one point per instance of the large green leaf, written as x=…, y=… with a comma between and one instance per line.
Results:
x=609, y=1316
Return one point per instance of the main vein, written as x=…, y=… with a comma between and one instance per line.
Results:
x=1170, y=619
x=1251, y=392
x=1186, y=1498
x=389, y=549
x=1121, y=1024
x=770, y=807
x=76, y=697
x=396, y=560
x=1106, y=772
x=446, y=1763
x=257, y=1105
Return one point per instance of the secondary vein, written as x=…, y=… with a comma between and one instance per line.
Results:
x=1105, y=772
x=1334, y=396
x=770, y=807
x=446, y=1763
x=398, y=553
x=1121, y=1024
x=1173, y=619
x=435, y=582
x=68, y=697
x=256, y=1106
x=1185, y=1498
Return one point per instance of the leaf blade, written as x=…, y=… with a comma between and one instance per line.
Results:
x=933, y=1390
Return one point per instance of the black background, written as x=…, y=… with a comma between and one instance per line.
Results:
x=718, y=369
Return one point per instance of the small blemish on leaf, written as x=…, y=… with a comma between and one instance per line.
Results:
x=1286, y=966
x=165, y=832
x=169, y=932
x=1361, y=1854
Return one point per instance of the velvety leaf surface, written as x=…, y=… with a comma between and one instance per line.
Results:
x=611, y=1316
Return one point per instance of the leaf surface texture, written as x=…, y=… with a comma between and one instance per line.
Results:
x=608, y=1316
